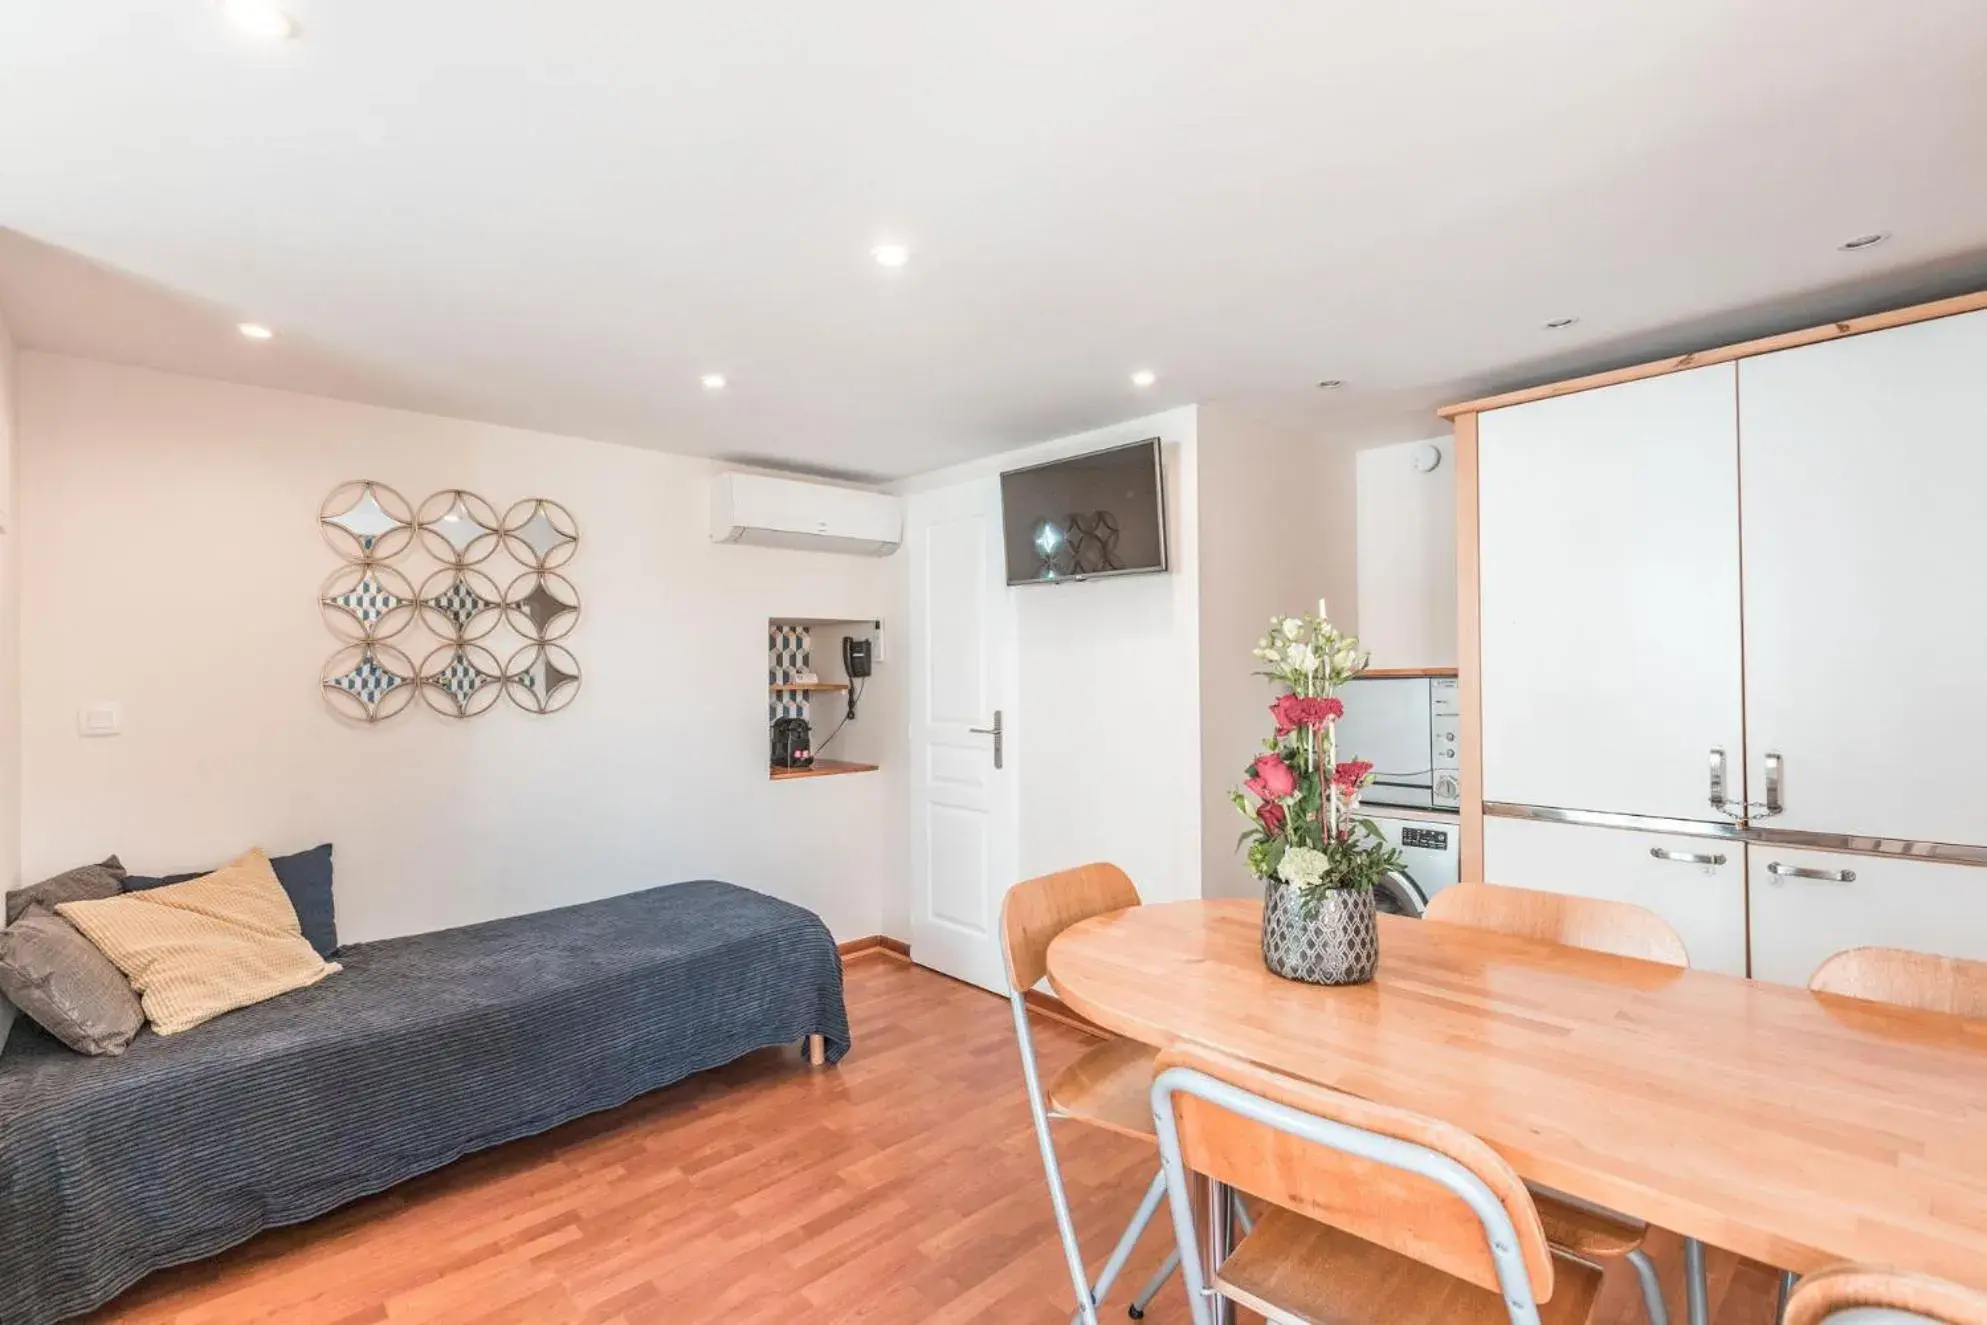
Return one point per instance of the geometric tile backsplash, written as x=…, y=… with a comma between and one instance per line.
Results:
x=458, y=549
x=789, y=659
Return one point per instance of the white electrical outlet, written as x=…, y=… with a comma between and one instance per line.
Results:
x=100, y=719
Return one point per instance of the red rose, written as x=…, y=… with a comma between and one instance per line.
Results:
x=1292, y=712
x=1275, y=775
x=1270, y=815
x=1350, y=777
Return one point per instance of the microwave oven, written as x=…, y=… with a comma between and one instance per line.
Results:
x=1407, y=728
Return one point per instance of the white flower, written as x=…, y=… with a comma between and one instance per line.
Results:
x=1301, y=867
x=1300, y=658
x=1292, y=627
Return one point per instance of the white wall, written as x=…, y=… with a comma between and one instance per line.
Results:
x=1104, y=736
x=1407, y=556
x=171, y=561
x=1276, y=534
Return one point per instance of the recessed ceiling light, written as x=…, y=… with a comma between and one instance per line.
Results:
x=1871, y=240
x=1144, y=377
x=712, y=381
x=259, y=20
x=255, y=331
x=890, y=255
x=1331, y=384
x=1560, y=323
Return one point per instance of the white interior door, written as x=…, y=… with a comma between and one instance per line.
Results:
x=1608, y=546
x=964, y=824
x=1864, y=466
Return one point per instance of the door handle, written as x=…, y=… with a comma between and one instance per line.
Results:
x=1688, y=857
x=1779, y=872
x=995, y=732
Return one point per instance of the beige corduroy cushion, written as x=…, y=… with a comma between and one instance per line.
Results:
x=197, y=949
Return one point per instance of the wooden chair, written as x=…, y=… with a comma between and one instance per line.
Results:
x=1110, y=1086
x=1598, y=926
x=1906, y=979
x=1578, y=922
x=1375, y=1214
x=1854, y=1295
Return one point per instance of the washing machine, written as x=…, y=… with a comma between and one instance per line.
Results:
x=1431, y=860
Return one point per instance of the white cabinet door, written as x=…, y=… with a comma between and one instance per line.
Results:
x=1697, y=884
x=1800, y=920
x=1864, y=461
x=1608, y=548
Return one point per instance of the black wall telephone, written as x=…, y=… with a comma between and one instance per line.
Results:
x=857, y=654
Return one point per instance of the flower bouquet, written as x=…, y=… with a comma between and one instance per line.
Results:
x=1317, y=859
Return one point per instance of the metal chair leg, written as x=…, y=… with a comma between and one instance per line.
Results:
x=1079, y=1277
x=1697, y=1295
x=1787, y=1281
x=1166, y=1270
x=1652, y=1287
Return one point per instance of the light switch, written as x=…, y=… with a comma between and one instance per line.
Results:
x=104, y=719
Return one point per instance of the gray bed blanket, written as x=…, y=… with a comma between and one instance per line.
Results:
x=422, y=1050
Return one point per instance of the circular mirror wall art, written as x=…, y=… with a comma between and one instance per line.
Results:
x=488, y=590
x=366, y=521
x=541, y=533
x=368, y=682
x=542, y=678
x=460, y=604
x=542, y=606
x=458, y=528
x=461, y=680
x=366, y=602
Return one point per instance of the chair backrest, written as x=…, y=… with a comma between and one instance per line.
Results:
x=1034, y=912
x=1908, y=979
x=1396, y=1208
x=1856, y=1295
x=1619, y=928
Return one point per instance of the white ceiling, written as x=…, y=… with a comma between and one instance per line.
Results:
x=559, y=215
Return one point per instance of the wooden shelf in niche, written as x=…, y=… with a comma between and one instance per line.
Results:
x=776, y=687
x=822, y=768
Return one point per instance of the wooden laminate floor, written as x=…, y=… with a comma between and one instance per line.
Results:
x=902, y=1186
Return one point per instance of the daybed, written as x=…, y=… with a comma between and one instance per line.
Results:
x=422, y=1050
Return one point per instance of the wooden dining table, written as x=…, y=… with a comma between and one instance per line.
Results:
x=1796, y=1128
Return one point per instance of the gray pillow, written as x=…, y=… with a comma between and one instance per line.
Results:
x=55, y=975
x=85, y=883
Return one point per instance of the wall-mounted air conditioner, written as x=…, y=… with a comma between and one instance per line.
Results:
x=813, y=517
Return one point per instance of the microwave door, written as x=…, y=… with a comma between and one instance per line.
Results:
x=1386, y=722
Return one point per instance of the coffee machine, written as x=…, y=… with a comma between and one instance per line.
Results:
x=793, y=743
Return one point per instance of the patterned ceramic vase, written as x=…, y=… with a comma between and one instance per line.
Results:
x=1339, y=944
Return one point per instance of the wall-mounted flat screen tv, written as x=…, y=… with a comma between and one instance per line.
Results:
x=1086, y=517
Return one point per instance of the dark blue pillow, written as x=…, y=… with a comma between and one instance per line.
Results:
x=306, y=877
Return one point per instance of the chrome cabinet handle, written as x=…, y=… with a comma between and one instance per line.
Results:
x=1744, y=810
x=1687, y=857
x=995, y=732
x=1779, y=872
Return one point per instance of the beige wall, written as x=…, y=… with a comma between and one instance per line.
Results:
x=171, y=563
x=10, y=650
x=1276, y=534
x=1104, y=741
x=1407, y=555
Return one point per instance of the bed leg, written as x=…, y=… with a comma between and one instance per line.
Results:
x=817, y=1049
